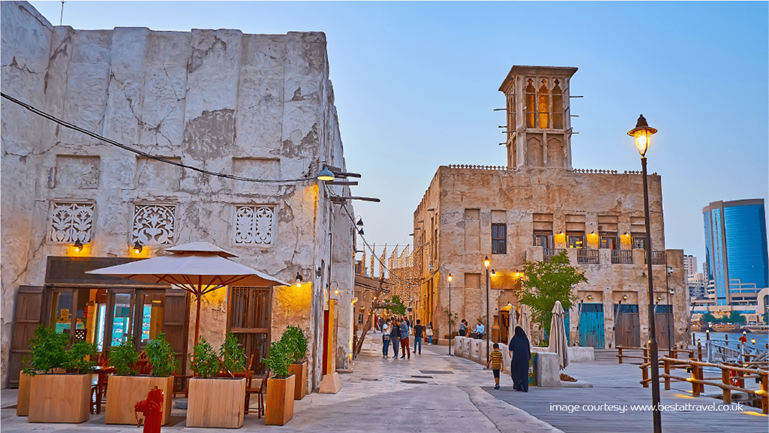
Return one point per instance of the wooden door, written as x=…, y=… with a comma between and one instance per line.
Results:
x=27, y=316
x=627, y=325
x=663, y=320
x=591, y=326
x=175, y=319
x=248, y=318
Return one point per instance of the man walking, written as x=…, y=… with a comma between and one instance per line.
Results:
x=418, y=337
x=405, y=340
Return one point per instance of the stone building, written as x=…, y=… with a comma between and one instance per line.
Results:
x=535, y=206
x=255, y=106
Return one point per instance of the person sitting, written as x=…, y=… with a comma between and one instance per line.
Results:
x=479, y=329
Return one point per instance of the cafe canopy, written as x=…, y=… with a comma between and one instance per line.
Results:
x=197, y=267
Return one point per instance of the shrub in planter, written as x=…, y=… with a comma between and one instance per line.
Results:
x=279, y=404
x=298, y=344
x=63, y=398
x=233, y=355
x=126, y=388
x=216, y=401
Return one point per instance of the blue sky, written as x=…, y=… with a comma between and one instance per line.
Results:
x=416, y=84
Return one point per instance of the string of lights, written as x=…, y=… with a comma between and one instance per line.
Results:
x=142, y=153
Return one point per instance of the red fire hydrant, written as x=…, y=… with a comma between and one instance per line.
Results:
x=152, y=408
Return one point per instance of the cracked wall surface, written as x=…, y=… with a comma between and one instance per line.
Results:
x=513, y=197
x=206, y=98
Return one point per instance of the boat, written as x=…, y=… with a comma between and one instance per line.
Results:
x=725, y=327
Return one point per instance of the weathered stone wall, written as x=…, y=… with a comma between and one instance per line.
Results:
x=513, y=197
x=250, y=105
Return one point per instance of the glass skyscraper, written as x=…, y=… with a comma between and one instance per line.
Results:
x=735, y=249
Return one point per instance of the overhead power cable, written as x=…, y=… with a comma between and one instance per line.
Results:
x=145, y=154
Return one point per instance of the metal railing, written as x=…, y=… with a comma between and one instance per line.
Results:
x=622, y=257
x=588, y=257
x=658, y=258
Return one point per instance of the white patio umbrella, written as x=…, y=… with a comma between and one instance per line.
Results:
x=197, y=267
x=525, y=322
x=558, y=343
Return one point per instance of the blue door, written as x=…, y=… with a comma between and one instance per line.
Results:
x=591, y=326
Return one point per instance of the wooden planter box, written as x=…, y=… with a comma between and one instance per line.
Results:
x=218, y=403
x=64, y=398
x=123, y=392
x=279, y=404
x=22, y=403
x=300, y=371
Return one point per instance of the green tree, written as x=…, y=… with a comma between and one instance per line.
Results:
x=736, y=317
x=709, y=318
x=395, y=305
x=547, y=282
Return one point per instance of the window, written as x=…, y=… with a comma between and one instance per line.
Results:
x=499, y=239
x=71, y=222
x=609, y=241
x=544, y=106
x=543, y=238
x=639, y=241
x=531, y=98
x=575, y=239
x=557, y=106
x=253, y=225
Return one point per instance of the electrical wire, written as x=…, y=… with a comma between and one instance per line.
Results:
x=142, y=153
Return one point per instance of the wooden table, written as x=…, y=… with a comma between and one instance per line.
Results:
x=101, y=384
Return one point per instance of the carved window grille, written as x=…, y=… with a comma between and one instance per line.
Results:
x=253, y=225
x=71, y=222
x=154, y=224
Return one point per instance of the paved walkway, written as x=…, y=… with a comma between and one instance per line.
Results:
x=372, y=399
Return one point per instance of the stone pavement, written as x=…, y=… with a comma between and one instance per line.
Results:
x=373, y=398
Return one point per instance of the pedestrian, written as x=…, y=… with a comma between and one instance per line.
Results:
x=463, y=328
x=479, y=329
x=395, y=334
x=405, y=340
x=429, y=332
x=495, y=359
x=385, y=338
x=418, y=337
x=520, y=353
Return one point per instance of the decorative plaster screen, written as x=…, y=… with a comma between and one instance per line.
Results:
x=71, y=222
x=154, y=224
x=253, y=225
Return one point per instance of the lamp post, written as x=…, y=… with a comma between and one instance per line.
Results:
x=642, y=134
x=487, y=263
x=450, y=317
x=668, y=273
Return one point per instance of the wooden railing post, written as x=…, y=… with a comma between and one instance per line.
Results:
x=699, y=351
x=667, y=374
x=695, y=376
x=726, y=381
x=765, y=392
x=619, y=354
x=645, y=374
x=646, y=354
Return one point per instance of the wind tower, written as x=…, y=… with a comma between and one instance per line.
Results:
x=538, y=116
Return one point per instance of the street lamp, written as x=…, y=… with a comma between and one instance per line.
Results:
x=642, y=134
x=487, y=263
x=450, y=317
x=668, y=273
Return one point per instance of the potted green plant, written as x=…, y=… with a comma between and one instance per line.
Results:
x=298, y=344
x=126, y=387
x=55, y=396
x=217, y=400
x=279, y=403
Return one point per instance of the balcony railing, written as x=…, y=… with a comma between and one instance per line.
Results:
x=622, y=257
x=658, y=257
x=588, y=257
x=550, y=252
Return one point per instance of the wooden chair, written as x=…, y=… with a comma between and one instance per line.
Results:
x=99, y=387
x=258, y=387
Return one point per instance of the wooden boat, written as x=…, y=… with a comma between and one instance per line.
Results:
x=725, y=327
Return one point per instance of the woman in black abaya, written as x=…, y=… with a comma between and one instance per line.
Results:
x=520, y=353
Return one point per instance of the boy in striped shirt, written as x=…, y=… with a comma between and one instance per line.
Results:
x=495, y=359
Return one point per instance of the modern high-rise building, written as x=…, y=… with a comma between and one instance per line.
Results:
x=690, y=265
x=736, y=249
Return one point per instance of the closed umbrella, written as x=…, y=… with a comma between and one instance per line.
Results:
x=558, y=342
x=197, y=267
x=513, y=322
x=525, y=319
